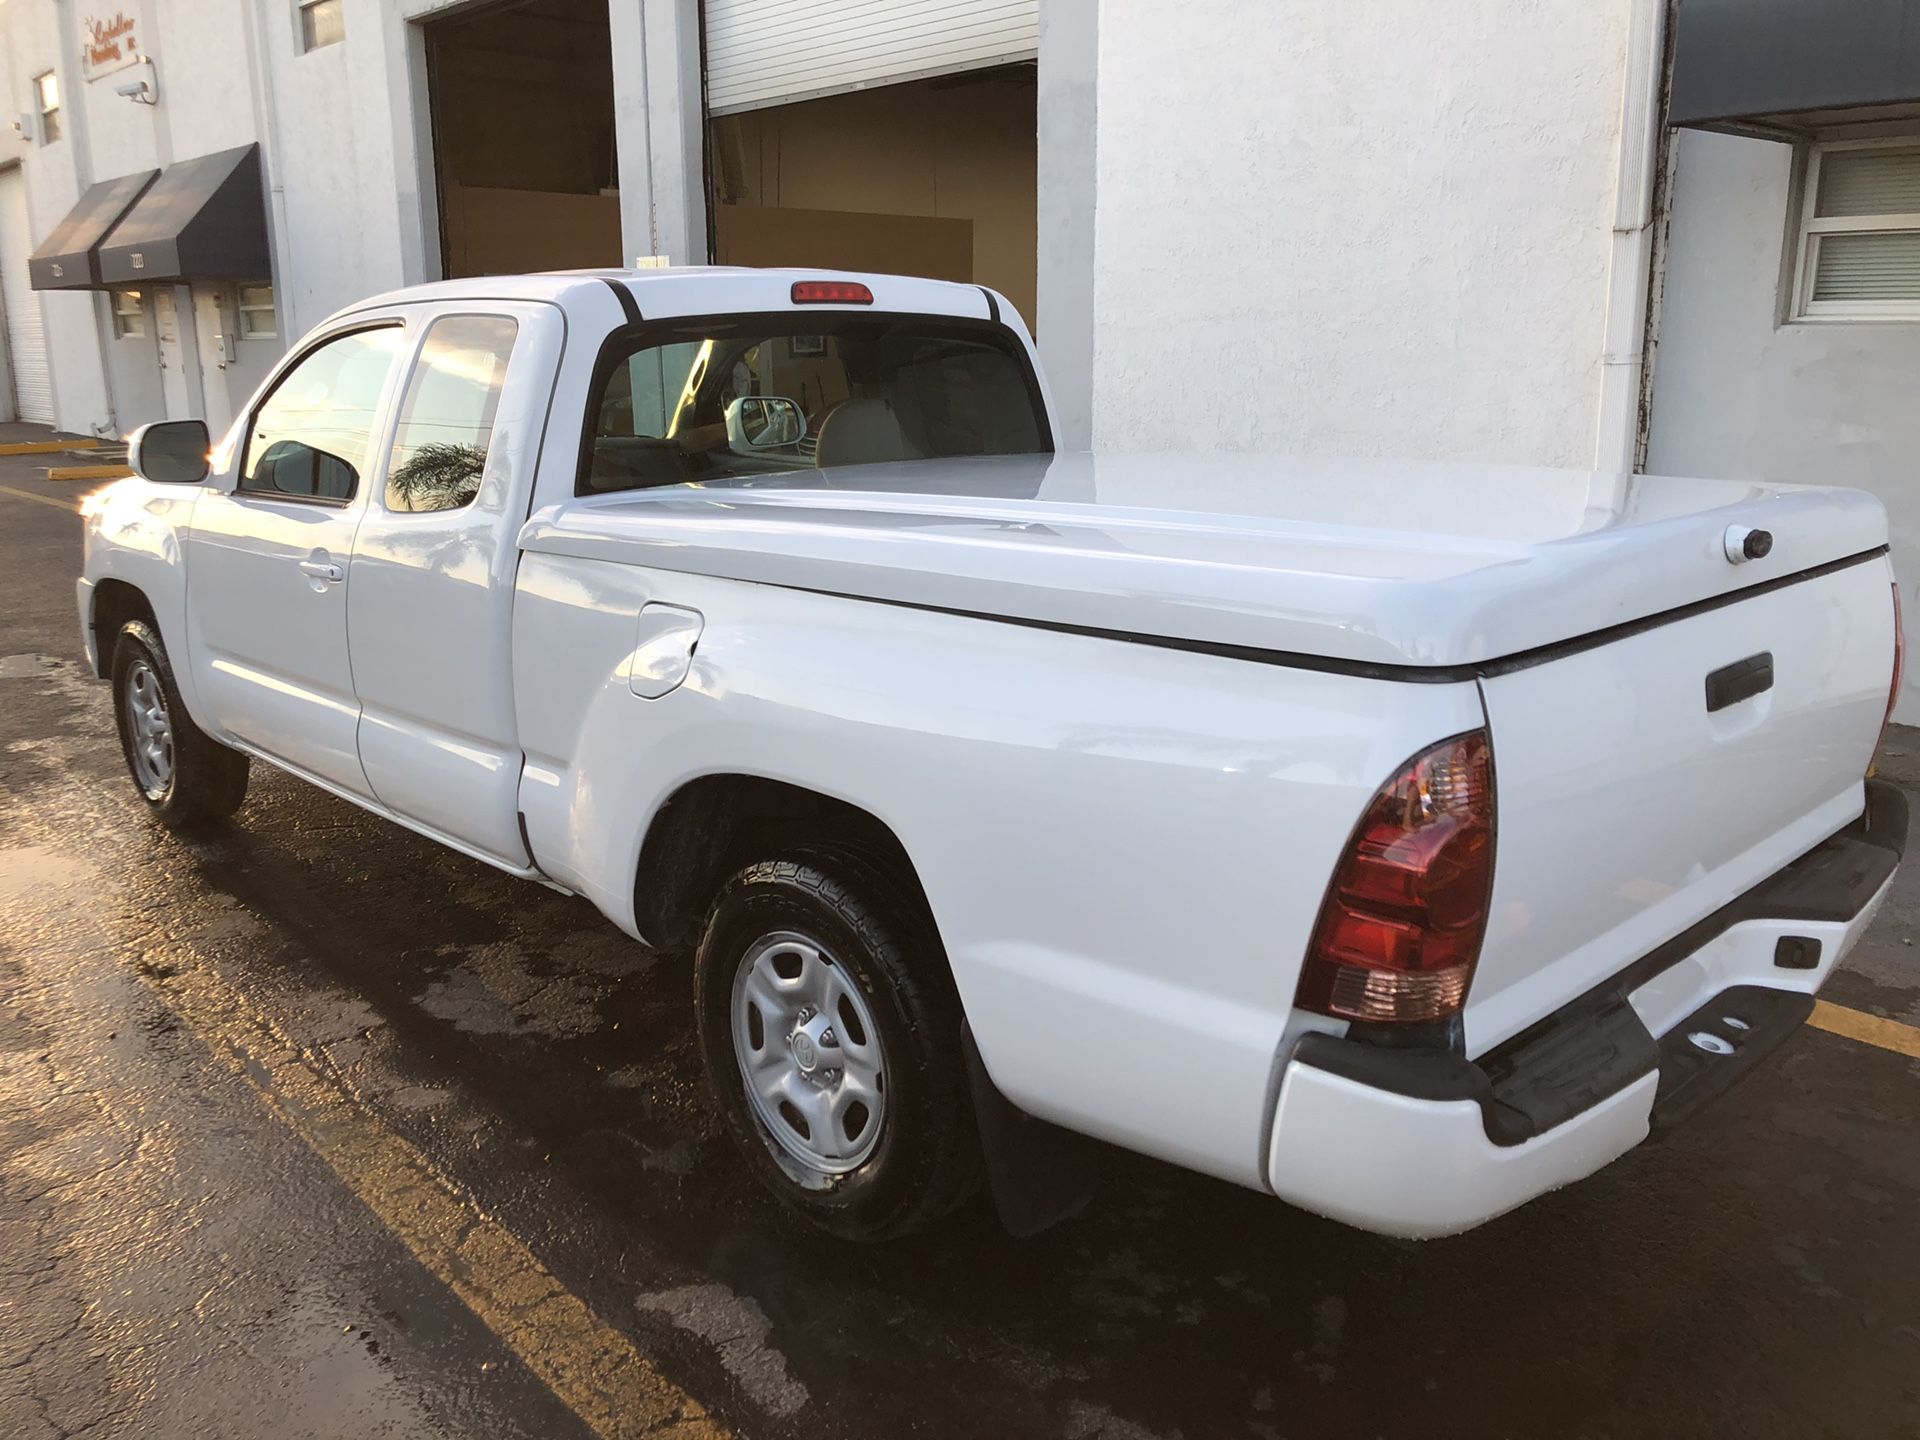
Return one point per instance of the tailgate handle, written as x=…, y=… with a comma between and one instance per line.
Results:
x=1742, y=680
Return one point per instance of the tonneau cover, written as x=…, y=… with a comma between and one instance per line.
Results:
x=1407, y=566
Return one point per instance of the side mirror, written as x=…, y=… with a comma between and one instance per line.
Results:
x=170, y=452
x=764, y=422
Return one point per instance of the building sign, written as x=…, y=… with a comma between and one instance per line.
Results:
x=107, y=43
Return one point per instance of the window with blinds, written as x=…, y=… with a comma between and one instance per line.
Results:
x=1860, y=233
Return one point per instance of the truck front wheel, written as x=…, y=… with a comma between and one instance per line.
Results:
x=831, y=1035
x=188, y=779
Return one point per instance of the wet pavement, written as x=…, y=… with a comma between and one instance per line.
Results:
x=226, y=1067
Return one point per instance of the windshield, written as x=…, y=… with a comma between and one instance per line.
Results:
x=769, y=394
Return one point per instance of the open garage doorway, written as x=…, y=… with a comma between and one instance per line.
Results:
x=931, y=177
x=521, y=95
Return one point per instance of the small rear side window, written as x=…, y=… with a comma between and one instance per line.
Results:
x=446, y=419
x=766, y=394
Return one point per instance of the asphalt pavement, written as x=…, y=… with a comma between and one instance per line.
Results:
x=319, y=1129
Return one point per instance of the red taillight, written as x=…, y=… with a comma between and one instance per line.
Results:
x=1400, y=929
x=1899, y=664
x=831, y=292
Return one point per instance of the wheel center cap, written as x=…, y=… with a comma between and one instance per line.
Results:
x=809, y=1041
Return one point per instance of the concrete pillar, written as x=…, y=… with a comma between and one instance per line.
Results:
x=416, y=205
x=658, y=117
x=1068, y=95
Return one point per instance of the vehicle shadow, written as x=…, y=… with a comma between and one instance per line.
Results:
x=1743, y=1278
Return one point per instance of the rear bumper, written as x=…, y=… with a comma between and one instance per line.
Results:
x=1424, y=1142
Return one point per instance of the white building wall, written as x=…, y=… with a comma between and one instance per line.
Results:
x=1739, y=393
x=346, y=153
x=32, y=41
x=13, y=150
x=1377, y=227
x=199, y=50
x=101, y=383
x=337, y=165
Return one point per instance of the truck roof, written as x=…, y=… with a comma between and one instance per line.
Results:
x=686, y=290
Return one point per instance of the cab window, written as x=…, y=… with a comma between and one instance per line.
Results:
x=446, y=419
x=310, y=437
x=761, y=394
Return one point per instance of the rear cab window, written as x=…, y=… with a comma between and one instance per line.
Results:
x=733, y=396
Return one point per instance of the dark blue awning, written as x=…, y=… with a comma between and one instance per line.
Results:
x=1786, y=67
x=68, y=258
x=203, y=219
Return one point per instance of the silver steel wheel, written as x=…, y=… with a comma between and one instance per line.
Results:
x=809, y=1053
x=149, y=730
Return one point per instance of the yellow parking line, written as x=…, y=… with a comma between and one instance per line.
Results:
x=48, y=447
x=594, y=1369
x=1867, y=1029
x=89, y=472
x=39, y=499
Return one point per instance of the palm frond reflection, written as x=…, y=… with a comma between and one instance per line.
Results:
x=436, y=476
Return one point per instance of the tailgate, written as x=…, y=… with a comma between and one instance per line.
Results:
x=1628, y=810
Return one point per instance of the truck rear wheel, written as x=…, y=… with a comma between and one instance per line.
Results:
x=188, y=779
x=831, y=1035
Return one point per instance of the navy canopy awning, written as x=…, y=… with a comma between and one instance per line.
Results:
x=68, y=259
x=1786, y=68
x=202, y=219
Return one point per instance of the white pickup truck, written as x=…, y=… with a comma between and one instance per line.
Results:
x=1405, y=841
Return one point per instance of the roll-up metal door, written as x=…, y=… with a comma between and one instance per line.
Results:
x=771, y=52
x=26, y=337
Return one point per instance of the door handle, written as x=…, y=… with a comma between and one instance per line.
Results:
x=323, y=570
x=1742, y=680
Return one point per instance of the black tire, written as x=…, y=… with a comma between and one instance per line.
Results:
x=205, y=781
x=926, y=1160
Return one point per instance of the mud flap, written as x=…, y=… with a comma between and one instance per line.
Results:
x=1039, y=1173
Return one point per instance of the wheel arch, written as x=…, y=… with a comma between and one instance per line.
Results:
x=714, y=824
x=115, y=602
